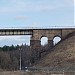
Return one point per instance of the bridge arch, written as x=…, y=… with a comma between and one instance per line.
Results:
x=44, y=40
x=56, y=39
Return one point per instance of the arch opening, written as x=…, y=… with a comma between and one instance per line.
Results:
x=44, y=41
x=56, y=40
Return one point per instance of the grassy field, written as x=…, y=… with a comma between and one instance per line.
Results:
x=29, y=73
x=62, y=56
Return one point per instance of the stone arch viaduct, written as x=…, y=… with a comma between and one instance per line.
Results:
x=37, y=33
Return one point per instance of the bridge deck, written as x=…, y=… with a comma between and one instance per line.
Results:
x=15, y=32
x=25, y=31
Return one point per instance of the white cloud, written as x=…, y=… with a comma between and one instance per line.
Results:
x=21, y=8
x=25, y=6
x=36, y=25
x=21, y=17
x=70, y=1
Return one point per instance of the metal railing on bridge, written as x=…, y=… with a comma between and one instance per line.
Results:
x=45, y=27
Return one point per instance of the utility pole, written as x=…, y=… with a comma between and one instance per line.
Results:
x=20, y=58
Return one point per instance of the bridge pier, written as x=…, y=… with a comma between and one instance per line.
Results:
x=35, y=49
x=50, y=44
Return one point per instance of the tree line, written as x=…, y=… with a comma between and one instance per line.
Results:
x=10, y=57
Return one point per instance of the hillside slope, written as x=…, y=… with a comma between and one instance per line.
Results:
x=62, y=56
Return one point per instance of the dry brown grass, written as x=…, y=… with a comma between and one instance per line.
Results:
x=28, y=73
x=63, y=55
x=23, y=73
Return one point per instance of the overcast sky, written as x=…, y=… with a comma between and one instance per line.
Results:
x=34, y=13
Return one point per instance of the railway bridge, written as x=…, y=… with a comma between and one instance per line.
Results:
x=37, y=34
